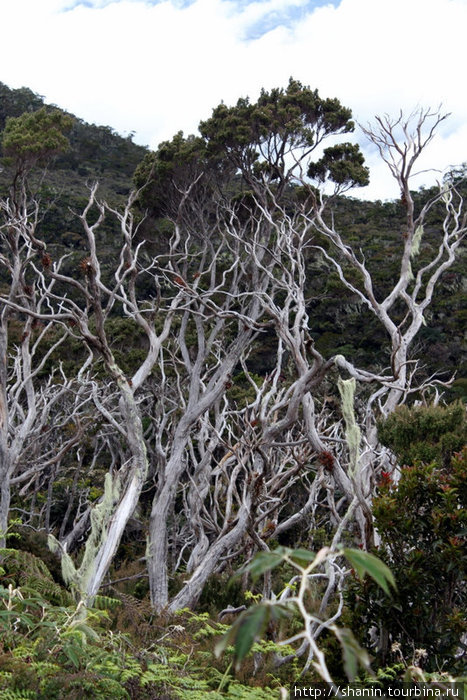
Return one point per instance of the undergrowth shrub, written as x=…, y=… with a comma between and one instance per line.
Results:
x=422, y=522
x=52, y=650
x=425, y=433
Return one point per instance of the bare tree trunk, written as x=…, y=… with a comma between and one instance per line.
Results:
x=132, y=479
x=5, y=457
x=191, y=591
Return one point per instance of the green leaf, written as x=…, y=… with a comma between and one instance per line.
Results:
x=302, y=557
x=83, y=628
x=366, y=563
x=353, y=654
x=264, y=561
x=250, y=625
x=35, y=137
x=71, y=654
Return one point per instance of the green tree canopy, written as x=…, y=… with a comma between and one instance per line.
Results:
x=35, y=137
x=271, y=140
x=277, y=135
x=178, y=166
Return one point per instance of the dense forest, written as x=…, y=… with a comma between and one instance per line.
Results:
x=232, y=406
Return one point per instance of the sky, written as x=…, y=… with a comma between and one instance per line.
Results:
x=158, y=67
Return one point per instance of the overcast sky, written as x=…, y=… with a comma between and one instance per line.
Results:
x=159, y=67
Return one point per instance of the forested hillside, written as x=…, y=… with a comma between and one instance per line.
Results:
x=97, y=153
x=207, y=365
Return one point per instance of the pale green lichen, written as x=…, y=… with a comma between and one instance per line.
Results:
x=446, y=194
x=417, y=239
x=100, y=518
x=101, y=514
x=352, y=431
x=69, y=572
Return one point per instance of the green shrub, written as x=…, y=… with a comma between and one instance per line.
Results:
x=422, y=522
x=425, y=433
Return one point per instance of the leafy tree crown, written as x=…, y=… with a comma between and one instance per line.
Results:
x=35, y=137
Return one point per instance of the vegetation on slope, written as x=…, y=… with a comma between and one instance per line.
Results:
x=49, y=648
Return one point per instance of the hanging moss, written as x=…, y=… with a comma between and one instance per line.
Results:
x=416, y=241
x=352, y=431
x=78, y=579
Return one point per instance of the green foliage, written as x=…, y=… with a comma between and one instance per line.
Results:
x=258, y=137
x=423, y=526
x=425, y=433
x=252, y=623
x=35, y=137
x=366, y=563
x=342, y=164
x=255, y=138
x=250, y=626
x=47, y=652
x=354, y=656
x=14, y=103
x=340, y=323
x=52, y=652
x=165, y=175
x=31, y=574
x=269, y=560
x=93, y=150
x=44, y=651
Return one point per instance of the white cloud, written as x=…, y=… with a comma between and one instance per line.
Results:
x=156, y=68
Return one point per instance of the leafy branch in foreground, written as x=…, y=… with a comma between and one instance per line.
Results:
x=325, y=564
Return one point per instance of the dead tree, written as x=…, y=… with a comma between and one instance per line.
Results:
x=344, y=456
x=224, y=472
x=26, y=345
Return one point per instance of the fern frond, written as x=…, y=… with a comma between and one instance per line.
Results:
x=103, y=602
x=32, y=574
